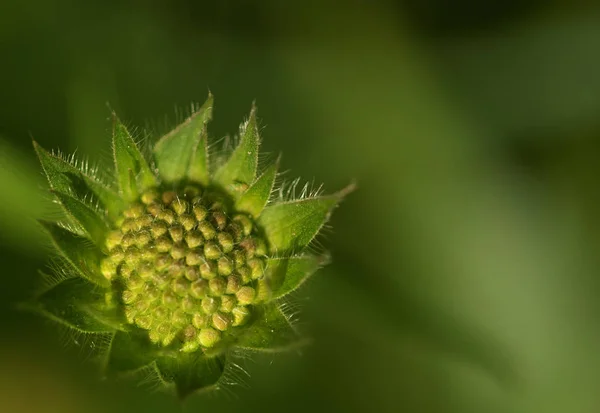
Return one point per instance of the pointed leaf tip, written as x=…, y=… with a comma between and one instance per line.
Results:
x=182, y=153
x=240, y=169
x=64, y=177
x=291, y=226
x=256, y=197
x=128, y=157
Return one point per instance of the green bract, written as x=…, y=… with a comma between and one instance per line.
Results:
x=181, y=261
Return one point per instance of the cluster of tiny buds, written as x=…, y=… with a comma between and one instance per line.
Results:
x=188, y=269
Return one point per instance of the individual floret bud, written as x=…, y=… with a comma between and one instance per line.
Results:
x=134, y=211
x=130, y=314
x=200, y=320
x=245, y=222
x=199, y=288
x=132, y=256
x=154, y=336
x=176, y=269
x=245, y=274
x=177, y=252
x=188, y=222
x=149, y=197
x=169, y=299
x=155, y=210
x=163, y=244
x=142, y=239
x=240, y=314
x=217, y=286
x=189, y=305
x=211, y=251
x=207, y=230
x=144, y=221
x=179, y=318
x=193, y=258
x=236, y=231
x=261, y=247
x=228, y=302
x=179, y=206
x=168, y=197
x=208, y=270
x=158, y=229
x=176, y=233
x=128, y=225
x=144, y=321
x=225, y=240
x=191, y=273
x=200, y=212
x=190, y=338
x=167, y=215
x=221, y=321
x=194, y=239
x=108, y=268
x=256, y=267
x=234, y=283
x=245, y=295
x=209, y=337
x=181, y=286
x=219, y=219
x=125, y=270
x=161, y=280
x=240, y=258
x=152, y=294
x=210, y=304
x=166, y=334
x=145, y=271
x=128, y=240
x=136, y=283
x=117, y=255
x=163, y=261
x=190, y=346
x=113, y=239
x=149, y=253
x=129, y=296
x=225, y=266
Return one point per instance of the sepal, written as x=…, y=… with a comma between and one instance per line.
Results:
x=253, y=201
x=79, y=252
x=88, y=218
x=74, y=303
x=129, y=351
x=132, y=171
x=66, y=178
x=284, y=275
x=191, y=373
x=239, y=170
x=182, y=153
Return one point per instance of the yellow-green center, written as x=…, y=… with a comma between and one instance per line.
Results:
x=188, y=267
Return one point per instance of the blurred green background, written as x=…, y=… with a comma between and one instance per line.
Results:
x=465, y=272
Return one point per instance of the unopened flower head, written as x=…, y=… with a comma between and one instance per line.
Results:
x=180, y=259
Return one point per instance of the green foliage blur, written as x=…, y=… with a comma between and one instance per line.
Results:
x=465, y=268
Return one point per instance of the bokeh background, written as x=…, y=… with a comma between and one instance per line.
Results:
x=465, y=272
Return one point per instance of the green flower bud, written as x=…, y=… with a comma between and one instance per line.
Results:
x=179, y=263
